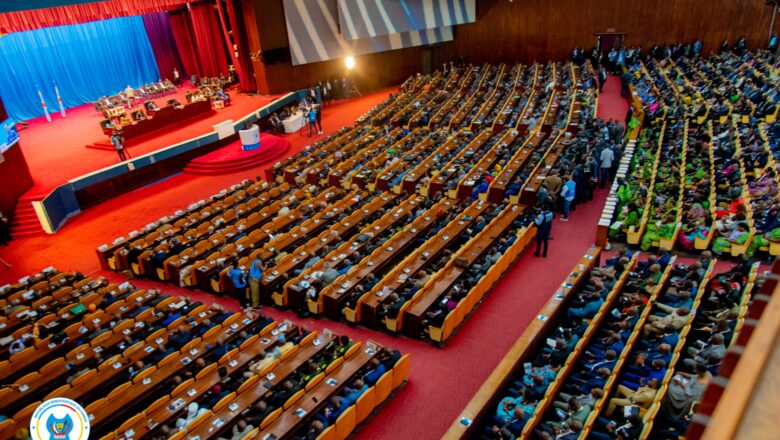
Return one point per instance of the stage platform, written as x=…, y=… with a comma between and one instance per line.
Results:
x=49, y=145
x=232, y=158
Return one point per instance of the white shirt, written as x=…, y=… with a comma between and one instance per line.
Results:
x=606, y=158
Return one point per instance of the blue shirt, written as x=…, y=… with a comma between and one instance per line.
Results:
x=254, y=270
x=237, y=277
x=568, y=190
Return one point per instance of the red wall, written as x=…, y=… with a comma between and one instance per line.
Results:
x=15, y=181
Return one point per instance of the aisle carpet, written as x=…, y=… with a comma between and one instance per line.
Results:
x=442, y=380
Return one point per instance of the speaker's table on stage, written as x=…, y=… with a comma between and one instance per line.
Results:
x=293, y=123
x=163, y=117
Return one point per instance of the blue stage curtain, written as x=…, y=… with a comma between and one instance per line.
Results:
x=86, y=60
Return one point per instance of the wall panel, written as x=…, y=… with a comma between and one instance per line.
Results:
x=527, y=31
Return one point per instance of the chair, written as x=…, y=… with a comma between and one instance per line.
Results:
x=345, y=424
x=129, y=423
x=401, y=371
x=159, y=403
x=224, y=401
x=352, y=350
x=179, y=435
x=333, y=365
x=248, y=384
x=199, y=420
x=8, y=428
x=328, y=434
x=294, y=399
x=139, y=378
x=248, y=343
x=289, y=353
x=270, y=418
x=206, y=371
x=84, y=378
x=119, y=390
x=58, y=392
x=182, y=387
x=22, y=418
x=365, y=405
x=314, y=381
x=384, y=386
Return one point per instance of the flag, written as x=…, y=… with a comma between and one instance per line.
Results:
x=43, y=104
x=59, y=100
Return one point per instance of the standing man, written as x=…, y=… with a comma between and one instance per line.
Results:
x=311, y=120
x=607, y=156
x=255, y=277
x=567, y=194
x=119, y=146
x=318, y=116
x=238, y=278
x=543, y=220
x=602, y=78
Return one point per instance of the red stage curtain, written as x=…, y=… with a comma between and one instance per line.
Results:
x=180, y=25
x=241, y=39
x=81, y=13
x=158, y=28
x=210, y=46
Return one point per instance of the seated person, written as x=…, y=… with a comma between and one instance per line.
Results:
x=222, y=96
x=151, y=106
x=175, y=104
x=138, y=115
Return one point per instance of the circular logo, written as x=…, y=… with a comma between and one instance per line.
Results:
x=59, y=419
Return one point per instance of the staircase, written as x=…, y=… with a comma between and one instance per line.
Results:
x=219, y=162
x=25, y=223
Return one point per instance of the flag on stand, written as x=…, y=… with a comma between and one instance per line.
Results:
x=59, y=100
x=43, y=104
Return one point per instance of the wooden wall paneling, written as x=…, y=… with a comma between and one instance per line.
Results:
x=524, y=31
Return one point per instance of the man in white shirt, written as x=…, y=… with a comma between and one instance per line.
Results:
x=607, y=156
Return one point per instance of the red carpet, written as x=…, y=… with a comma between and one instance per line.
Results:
x=441, y=381
x=233, y=158
x=611, y=105
x=47, y=146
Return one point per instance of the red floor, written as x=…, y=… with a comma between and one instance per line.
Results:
x=442, y=380
x=46, y=157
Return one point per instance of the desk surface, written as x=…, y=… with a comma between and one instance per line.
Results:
x=160, y=118
x=315, y=399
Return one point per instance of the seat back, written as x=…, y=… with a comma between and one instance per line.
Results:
x=270, y=418
x=401, y=371
x=294, y=399
x=345, y=424
x=365, y=405
x=384, y=386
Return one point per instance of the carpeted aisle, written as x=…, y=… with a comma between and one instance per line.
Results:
x=442, y=380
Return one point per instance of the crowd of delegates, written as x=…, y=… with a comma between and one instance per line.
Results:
x=717, y=180
x=590, y=160
x=180, y=322
x=349, y=394
x=712, y=328
x=129, y=97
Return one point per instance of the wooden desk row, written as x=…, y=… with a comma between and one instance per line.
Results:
x=572, y=360
x=460, y=92
x=107, y=253
x=293, y=294
x=484, y=400
x=45, y=349
x=472, y=150
x=625, y=354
